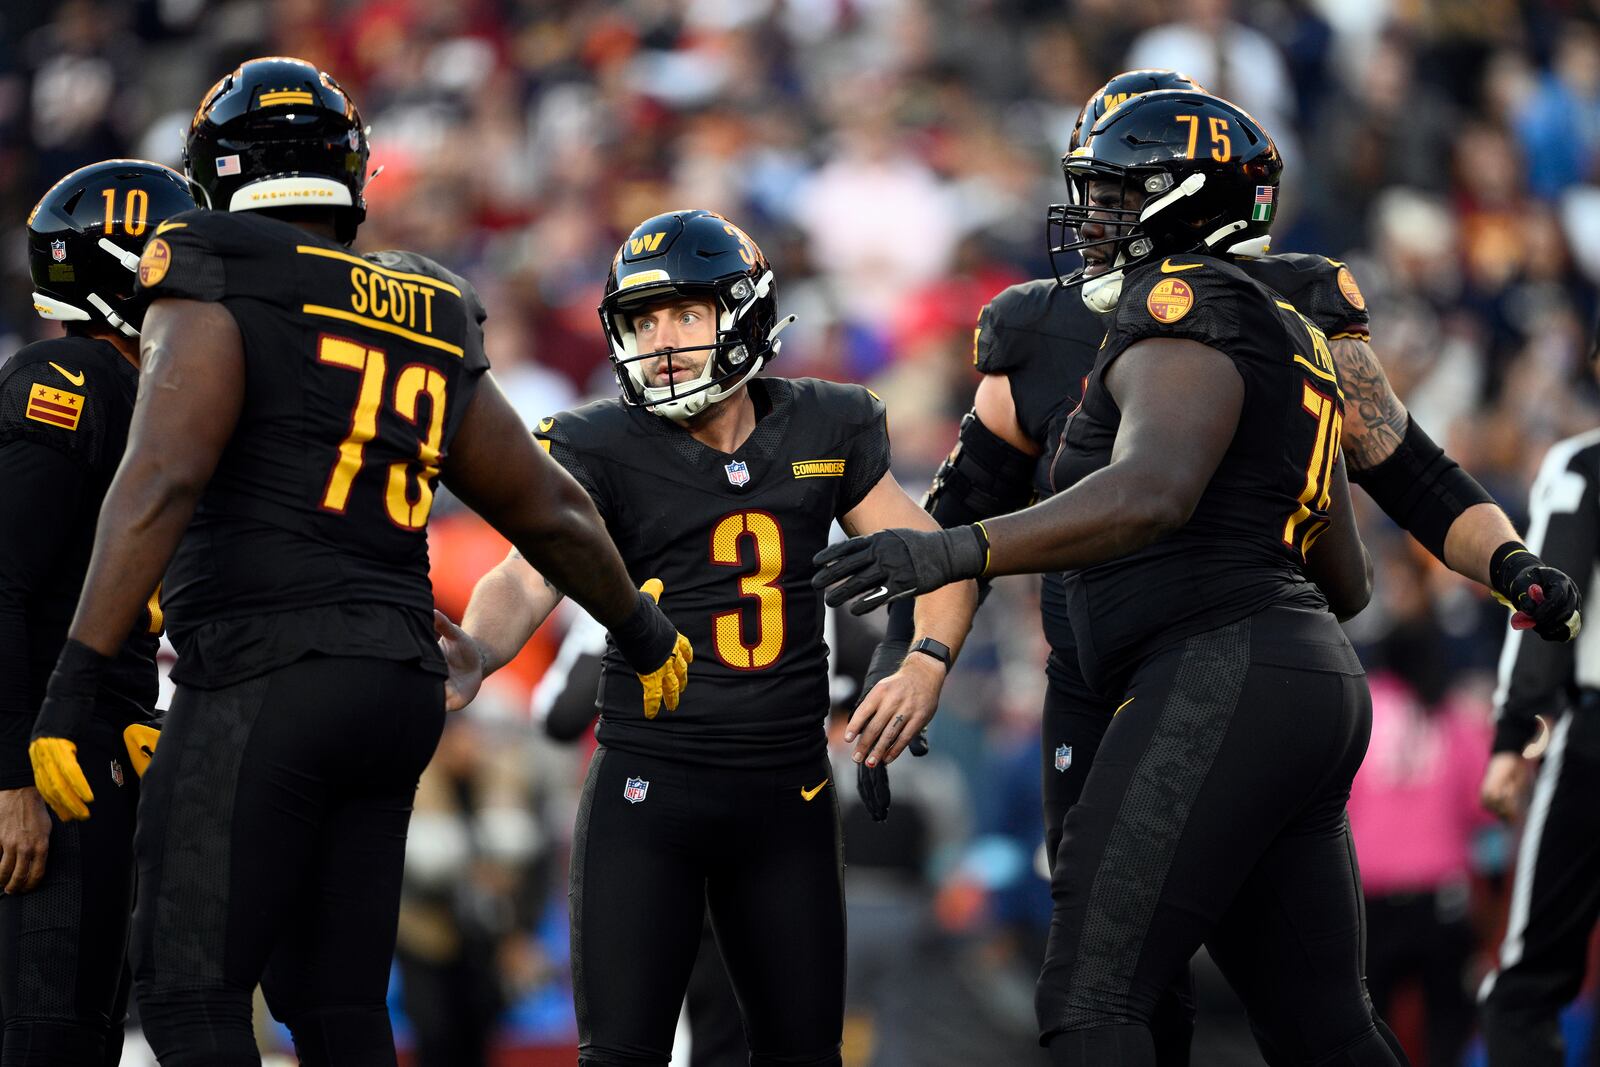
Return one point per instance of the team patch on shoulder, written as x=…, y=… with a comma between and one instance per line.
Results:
x=1170, y=300
x=819, y=468
x=54, y=407
x=155, y=261
x=1351, y=291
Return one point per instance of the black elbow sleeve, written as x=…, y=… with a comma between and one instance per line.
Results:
x=1422, y=489
x=983, y=476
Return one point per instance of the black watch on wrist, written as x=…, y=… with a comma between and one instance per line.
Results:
x=937, y=649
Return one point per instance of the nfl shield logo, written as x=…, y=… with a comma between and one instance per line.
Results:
x=1063, y=757
x=738, y=473
x=116, y=773
x=634, y=789
x=58, y=251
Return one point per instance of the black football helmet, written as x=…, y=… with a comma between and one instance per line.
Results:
x=1208, y=174
x=692, y=253
x=85, y=235
x=1122, y=88
x=277, y=132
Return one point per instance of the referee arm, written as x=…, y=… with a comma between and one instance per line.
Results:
x=1542, y=676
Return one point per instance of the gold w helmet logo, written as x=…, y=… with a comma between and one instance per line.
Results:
x=645, y=244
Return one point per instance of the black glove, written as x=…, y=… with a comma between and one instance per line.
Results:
x=1544, y=599
x=893, y=564
x=873, y=782
x=67, y=711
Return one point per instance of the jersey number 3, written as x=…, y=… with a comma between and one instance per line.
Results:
x=409, y=496
x=762, y=584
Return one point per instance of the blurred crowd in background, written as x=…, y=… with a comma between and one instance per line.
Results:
x=894, y=158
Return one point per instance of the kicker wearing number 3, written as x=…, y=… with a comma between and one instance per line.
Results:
x=724, y=484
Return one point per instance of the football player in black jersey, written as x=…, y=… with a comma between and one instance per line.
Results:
x=64, y=410
x=1035, y=345
x=1204, y=520
x=299, y=403
x=725, y=484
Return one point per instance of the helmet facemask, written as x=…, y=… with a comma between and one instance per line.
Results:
x=1126, y=230
x=737, y=354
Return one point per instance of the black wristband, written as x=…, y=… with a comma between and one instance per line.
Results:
x=934, y=649
x=647, y=638
x=1513, y=735
x=1513, y=553
x=77, y=673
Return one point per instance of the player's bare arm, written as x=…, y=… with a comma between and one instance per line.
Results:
x=997, y=409
x=191, y=387
x=1459, y=523
x=507, y=605
x=497, y=470
x=1180, y=402
x=1375, y=425
x=901, y=706
x=1375, y=419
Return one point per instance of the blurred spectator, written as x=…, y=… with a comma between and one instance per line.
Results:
x=1229, y=59
x=473, y=892
x=1413, y=813
x=1559, y=122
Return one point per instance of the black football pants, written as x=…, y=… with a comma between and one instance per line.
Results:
x=270, y=846
x=1214, y=813
x=63, y=979
x=658, y=843
x=1555, y=900
x=1075, y=719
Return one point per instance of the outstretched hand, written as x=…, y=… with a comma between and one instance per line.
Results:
x=463, y=657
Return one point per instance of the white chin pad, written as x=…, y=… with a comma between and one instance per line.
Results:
x=1101, y=294
x=49, y=307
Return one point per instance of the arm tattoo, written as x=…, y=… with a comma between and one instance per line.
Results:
x=1379, y=421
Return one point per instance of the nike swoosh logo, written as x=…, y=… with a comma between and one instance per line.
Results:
x=166, y=227
x=809, y=793
x=75, y=379
x=1169, y=267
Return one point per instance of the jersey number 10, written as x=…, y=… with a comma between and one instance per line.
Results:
x=415, y=380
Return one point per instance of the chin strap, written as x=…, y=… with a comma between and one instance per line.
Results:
x=111, y=316
x=772, y=335
x=123, y=256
